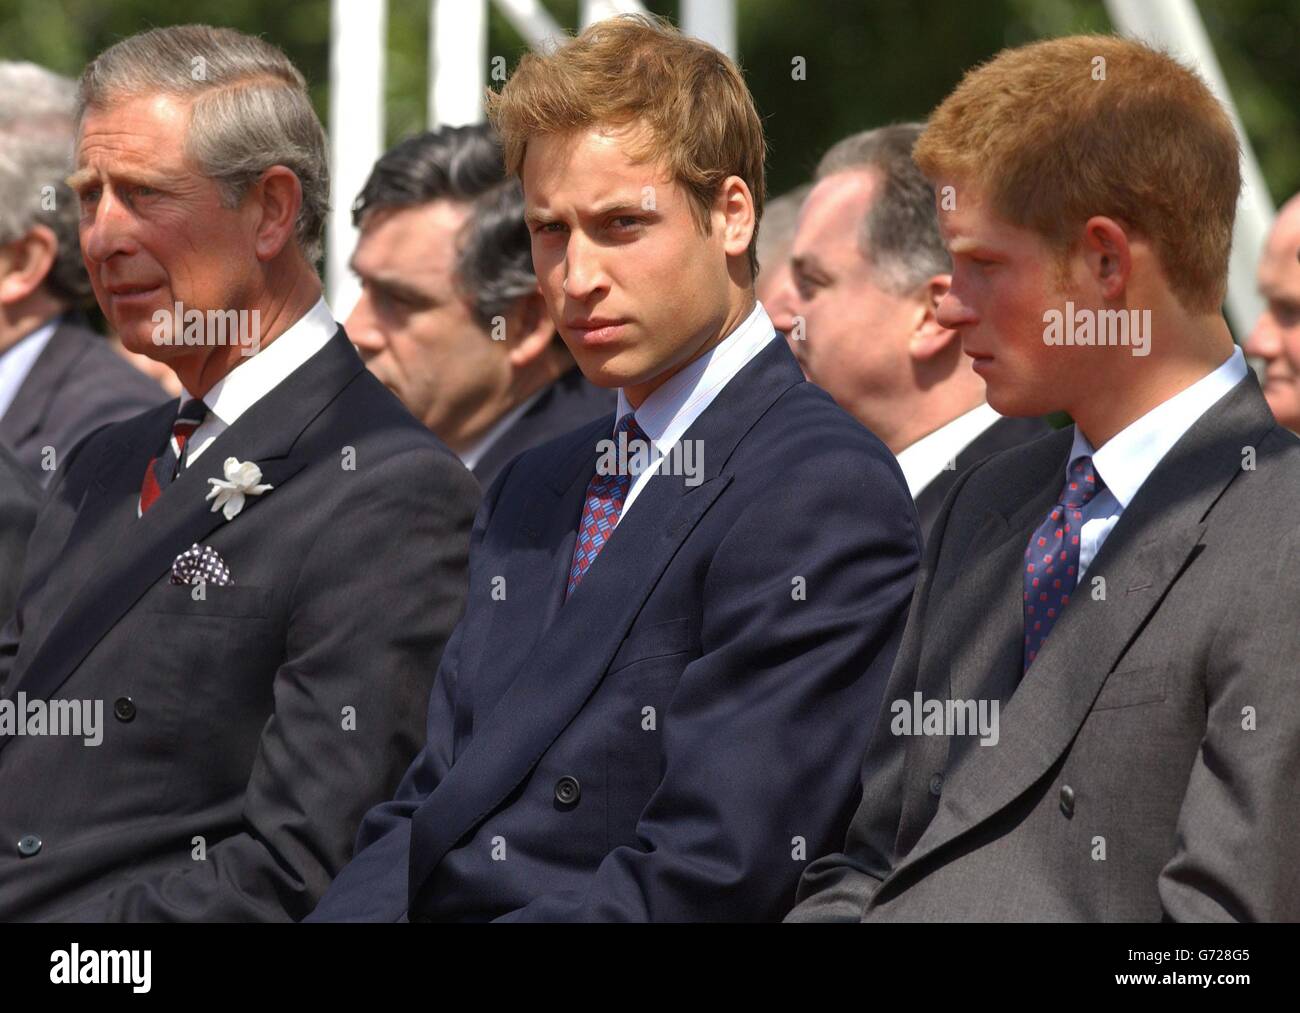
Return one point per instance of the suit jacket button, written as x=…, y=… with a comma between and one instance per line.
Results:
x=568, y=790
x=29, y=845
x=936, y=784
x=124, y=708
x=1067, y=800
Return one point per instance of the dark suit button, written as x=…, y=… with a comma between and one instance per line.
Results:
x=1067, y=800
x=936, y=784
x=568, y=790
x=124, y=708
x=29, y=845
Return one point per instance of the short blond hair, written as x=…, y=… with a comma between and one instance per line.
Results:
x=1058, y=131
x=636, y=69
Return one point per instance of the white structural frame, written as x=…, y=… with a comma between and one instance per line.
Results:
x=1176, y=27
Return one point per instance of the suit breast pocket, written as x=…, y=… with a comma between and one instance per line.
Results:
x=1132, y=687
x=233, y=602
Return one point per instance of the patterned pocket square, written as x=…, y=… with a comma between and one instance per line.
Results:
x=201, y=564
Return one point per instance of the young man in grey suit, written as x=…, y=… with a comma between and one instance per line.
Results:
x=248, y=591
x=59, y=381
x=1095, y=713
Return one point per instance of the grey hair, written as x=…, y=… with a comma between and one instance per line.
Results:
x=251, y=109
x=36, y=111
x=900, y=233
x=780, y=219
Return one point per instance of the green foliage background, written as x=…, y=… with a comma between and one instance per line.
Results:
x=868, y=61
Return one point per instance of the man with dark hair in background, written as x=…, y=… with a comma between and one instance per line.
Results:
x=58, y=380
x=868, y=270
x=450, y=317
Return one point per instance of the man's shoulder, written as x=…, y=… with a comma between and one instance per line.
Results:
x=97, y=373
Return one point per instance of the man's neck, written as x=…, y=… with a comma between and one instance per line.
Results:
x=18, y=322
x=275, y=314
x=1117, y=400
x=524, y=383
x=741, y=307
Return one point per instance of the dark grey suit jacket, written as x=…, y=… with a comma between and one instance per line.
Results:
x=567, y=404
x=1002, y=435
x=264, y=718
x=76, y=385
x=19, y=498
x=1146, y=764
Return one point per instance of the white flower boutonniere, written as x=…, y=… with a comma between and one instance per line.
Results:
x=242, y=478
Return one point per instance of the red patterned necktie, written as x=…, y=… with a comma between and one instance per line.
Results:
x=164, y=467
x=605, y=496
x=1052, y=556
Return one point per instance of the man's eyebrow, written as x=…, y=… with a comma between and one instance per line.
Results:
x=393, y=285
x=963, y=244
x=806, y=262
x=536, y=216
x=86, y=175
x=81, y=177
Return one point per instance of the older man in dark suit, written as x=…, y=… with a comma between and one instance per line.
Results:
x=1094, y=714
x=59, y=381
x=868, y=270
x=259, y=579
x=19, y=498
x=450, y=318
x=679, y=615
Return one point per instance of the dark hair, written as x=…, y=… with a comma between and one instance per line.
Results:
x=900, y=232
x=494, y=265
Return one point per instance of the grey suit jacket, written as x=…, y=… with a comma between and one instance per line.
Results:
x=76, y=385
x=264, y=717
x=1146, y=764
x=19, y=498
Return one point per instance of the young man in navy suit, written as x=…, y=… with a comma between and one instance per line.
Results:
x=681, y=616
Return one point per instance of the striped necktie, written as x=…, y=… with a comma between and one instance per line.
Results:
x=164, y=467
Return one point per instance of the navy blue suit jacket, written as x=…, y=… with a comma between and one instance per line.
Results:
x=681, y=735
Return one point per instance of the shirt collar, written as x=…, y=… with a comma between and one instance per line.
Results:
x=258, y=375
x=474, y=453
x=922, y=462
x=666, y=414
x=17, y=361
x=1126, y=460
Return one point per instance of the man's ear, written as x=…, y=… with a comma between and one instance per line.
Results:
x=929, y=337
x=26, y=263
x=530, y=330
x=1107, y=255
x=277, y=195
x=733, y=216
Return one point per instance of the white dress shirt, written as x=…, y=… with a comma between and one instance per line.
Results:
x=471, y=456
x=1126, y=460
x=668, y=412
x=16, y=363
x=929, y=456
x=258, y=375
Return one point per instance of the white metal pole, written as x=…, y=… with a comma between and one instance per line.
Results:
x=1175, y=25
x=597, y=10
x=358, y=30
x=457, y=61
x=531, y=20
x=714, y=21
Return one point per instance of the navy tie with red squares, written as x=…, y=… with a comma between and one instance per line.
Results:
x=1052, y=557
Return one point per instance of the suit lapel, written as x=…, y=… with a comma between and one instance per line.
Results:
x=126, y=569
x=569, y=661
x=30, y=404
x=1155, y=539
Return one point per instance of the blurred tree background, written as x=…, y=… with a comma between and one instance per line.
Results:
x=868, y=62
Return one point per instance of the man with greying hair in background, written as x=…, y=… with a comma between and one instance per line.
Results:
x=1275, y=341
x=259, y=579
x=59, y=381
x=450, y=317
x=869, y=268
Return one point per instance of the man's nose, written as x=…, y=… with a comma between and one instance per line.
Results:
x=363, y=329
x=952, y=312
x=108, y=231
x=1264, y=342
x=583, y=273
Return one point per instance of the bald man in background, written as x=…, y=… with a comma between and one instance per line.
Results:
x=1276, y=337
